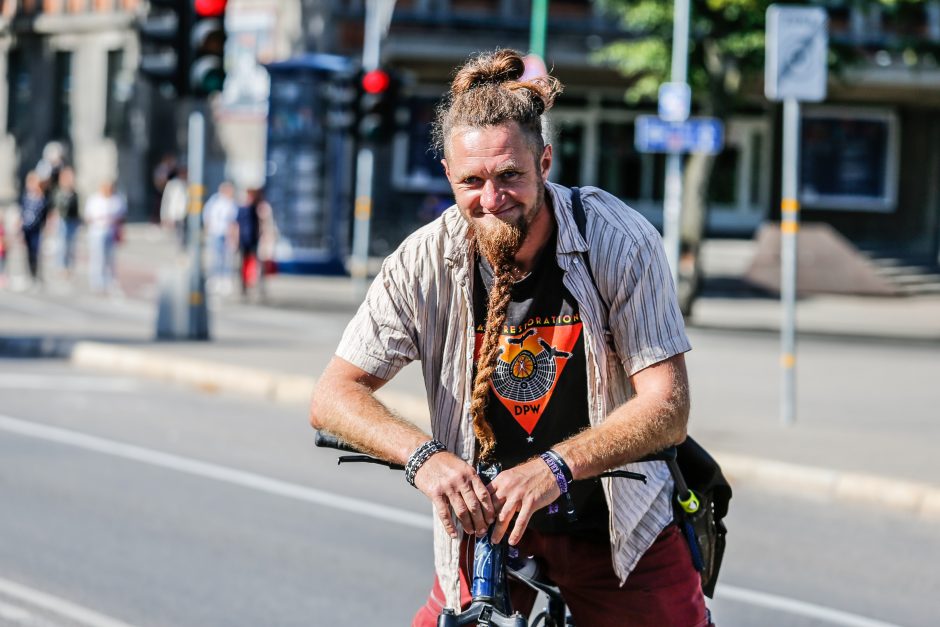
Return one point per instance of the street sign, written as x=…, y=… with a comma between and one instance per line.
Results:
x=797, y=50
x=675, y=100
x=705, y=135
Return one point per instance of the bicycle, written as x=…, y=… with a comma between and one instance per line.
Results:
x=495, y=564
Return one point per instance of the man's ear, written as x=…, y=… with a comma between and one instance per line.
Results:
x=545, y=164
x=446, y=169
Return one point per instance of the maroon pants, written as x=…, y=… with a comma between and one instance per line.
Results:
x=664, y=590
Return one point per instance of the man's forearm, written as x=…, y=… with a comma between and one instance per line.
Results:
x=651, y=421
x=351, y=411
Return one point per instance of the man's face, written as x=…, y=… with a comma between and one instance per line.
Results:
x=496, y=178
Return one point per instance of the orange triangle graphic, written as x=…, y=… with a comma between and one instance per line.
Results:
x=529, y=368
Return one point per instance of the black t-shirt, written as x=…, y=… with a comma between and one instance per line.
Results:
x=538, y=393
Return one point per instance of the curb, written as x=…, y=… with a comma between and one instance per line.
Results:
x=919, y=499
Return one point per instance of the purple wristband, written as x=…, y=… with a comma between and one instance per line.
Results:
x=556, y=470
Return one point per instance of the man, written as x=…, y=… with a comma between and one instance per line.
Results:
x=500, y=278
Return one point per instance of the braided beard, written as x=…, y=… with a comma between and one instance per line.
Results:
x=499, y=243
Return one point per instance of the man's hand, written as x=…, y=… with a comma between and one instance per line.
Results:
x=452, y=484
x=524, y=489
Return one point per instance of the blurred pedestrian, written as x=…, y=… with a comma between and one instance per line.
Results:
x=165, y=170
x=65, y=204
x=173, y=205
x=252, y=217
x=219, y=216
x=50, y=166
x=3, y=251
x=34, y=209
x=104, y=214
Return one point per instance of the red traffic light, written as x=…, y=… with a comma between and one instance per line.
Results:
x=209, y=8
x=375, y=81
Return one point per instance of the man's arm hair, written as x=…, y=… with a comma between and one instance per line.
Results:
x=344, y=404
x=655, y=418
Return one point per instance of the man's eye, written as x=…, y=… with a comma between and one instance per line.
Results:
x=471, y=180
x=510, y=175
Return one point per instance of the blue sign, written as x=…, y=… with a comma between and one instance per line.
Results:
x=704, y=135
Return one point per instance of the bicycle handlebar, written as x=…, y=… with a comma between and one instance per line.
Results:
x=328, y=440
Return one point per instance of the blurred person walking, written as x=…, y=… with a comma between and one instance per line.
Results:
x=3, y=250
x=163, y=172
x=173, y=205
x=50, y=166
x=253, y=219
x=219, y=216
x=104, y=214
x=65, y=204
x=34, y=209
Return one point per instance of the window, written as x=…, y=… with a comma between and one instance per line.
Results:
x=118, y=94
x=635, y=177
x=417, y=166
x=62, y=122
x=20, y=92
x=849, y=159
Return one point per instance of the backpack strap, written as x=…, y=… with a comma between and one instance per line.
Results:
x=577, y=208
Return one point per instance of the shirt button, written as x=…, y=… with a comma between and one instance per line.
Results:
x=575, y=261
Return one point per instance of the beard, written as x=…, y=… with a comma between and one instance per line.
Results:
x=500, y=240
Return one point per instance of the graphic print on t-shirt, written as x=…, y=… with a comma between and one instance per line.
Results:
x=531, y=360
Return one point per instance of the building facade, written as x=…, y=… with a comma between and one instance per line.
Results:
x=870, y=155
x=67, y=74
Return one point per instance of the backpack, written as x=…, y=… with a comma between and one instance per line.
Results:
x=702, y=493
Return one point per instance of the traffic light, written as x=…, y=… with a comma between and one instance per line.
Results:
x=378, y=101
x=163, y=40
x=206, y=55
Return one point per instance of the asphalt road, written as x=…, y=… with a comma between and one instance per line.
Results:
x=129, y=502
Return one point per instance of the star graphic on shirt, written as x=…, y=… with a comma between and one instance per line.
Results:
x=530, y=439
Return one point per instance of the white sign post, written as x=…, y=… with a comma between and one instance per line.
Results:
x=795, y=70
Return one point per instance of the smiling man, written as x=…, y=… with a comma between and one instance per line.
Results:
x=532, y=362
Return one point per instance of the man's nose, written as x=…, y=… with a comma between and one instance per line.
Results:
x=491, y=197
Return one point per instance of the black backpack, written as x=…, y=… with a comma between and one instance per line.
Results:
x=702, y=492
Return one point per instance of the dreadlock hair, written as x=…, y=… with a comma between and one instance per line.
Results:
x=489, y=91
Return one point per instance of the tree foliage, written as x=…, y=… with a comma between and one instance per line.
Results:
x=726, y=47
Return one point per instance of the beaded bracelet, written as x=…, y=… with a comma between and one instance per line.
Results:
x=422, y=454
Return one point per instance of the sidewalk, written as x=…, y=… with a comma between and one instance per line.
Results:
x=272, y=351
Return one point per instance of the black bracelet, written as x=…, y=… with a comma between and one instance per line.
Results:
x=422, y=454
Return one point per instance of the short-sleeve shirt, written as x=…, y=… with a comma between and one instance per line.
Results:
x=420, y=307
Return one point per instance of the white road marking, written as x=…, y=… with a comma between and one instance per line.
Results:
x=213, y=471
x=67, y=383
x=14, y=614
x=800, y=608
x=60, y=607
x=390, y=514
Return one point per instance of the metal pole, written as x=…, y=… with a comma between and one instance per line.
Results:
x=672, y=196
x=198, y=313
x=672, y=213
x=789, y=226
x=537, y=27
x=362, y=215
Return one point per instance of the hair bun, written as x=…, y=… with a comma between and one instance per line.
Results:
x=502, y=66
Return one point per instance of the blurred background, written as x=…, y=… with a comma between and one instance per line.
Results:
x=164, y=312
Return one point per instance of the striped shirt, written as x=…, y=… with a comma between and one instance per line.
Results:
x=420, y=306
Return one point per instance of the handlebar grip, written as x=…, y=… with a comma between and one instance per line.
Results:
x=328, y=440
